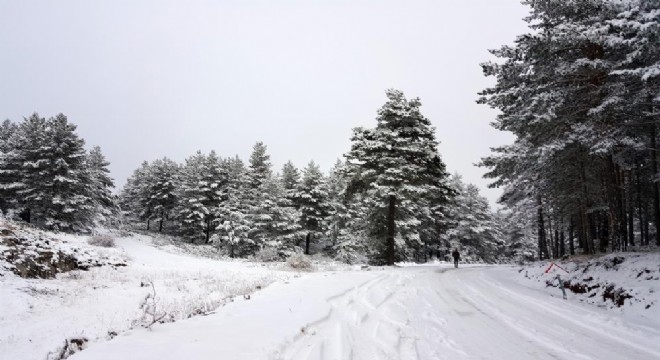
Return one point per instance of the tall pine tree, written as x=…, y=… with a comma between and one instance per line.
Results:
x=397, y=164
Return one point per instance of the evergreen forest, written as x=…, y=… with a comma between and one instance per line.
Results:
x=580, y=93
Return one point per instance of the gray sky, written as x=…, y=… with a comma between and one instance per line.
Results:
x=147, y=79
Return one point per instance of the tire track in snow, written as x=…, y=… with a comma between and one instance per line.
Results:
x=358, y=316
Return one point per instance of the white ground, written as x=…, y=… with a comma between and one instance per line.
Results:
x=421, y=312
x=405, y=313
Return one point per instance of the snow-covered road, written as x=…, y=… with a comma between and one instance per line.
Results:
x=399, y=313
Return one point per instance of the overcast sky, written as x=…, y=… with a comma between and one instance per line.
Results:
x=147, y=79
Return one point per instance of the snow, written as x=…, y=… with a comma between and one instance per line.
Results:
x=431, y=312
x=409, y=311
x=102, y=300
x=634, y=274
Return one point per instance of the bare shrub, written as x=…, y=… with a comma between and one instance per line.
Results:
x=101, y=240
x=151, y=314
x=300, y=262
x=70, y=347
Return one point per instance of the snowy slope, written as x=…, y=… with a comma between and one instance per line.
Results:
x=626, y=283
x=38, y=315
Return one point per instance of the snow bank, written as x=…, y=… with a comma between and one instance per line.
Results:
x=623, y=282
x=35, y=254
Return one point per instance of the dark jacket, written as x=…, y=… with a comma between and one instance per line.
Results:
x=456, y=254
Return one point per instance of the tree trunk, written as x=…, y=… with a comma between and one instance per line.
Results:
x=646, y=225
x=543, y=249
x=389, y=246
x=571, y=242
x=630, y=214
x=307, y=238
x=656, y=191
x=604, y=233
x=148, y=224
x=207, y=229
x=594, y=228
x=160, y=224
x=551, y=244
x=589, y=247
x=562, y=244
x=639, y=206
x=556, y=244
x=623, y=224
x=26, y=215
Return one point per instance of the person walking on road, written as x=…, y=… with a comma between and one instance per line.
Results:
x=457, y=256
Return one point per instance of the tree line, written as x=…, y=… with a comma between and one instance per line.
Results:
x=581, y=94
x=390, y=200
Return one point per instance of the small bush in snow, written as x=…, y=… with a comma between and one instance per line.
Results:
x=267, y=254
x=71, y=346
x=101, y=240
x=300, y=262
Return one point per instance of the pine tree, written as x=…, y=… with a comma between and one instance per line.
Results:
x=234, y=212
x=259, y=165
x=275, y=220
x=271, y=219
x=290, y=182
x=101, y=184
x=398, y=164
x=65, y=190
x=203, y=188
x=336, y=200
x=7, y=129
x=473, y=228
x=312, y=198
x=25, y=167
x=162, y=190
x=578, y=92
x=134, y=199
x=7, y=196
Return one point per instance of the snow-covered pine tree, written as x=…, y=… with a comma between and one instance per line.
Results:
x=276, y=220
x=260, y=167
x=134, y=199
x=273, y=221
x=290, y=182
x=584, y=120
x=633, y=98
x=7, y=195
x=233, y=213
x=337, y=211
x=7, y=129
x=65, y=190
x=213, y=188
x=46, y=175
x=397, y=163
x=473, y=228
x=190, y=209
x=24, y=167
x=312, y=199
x=255, y=198
x=518, y=224
x=101, y=185
x=162, y=190
x=202, y=189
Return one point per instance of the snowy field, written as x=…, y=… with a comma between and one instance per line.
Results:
x=272, y=312
x=39, y=314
